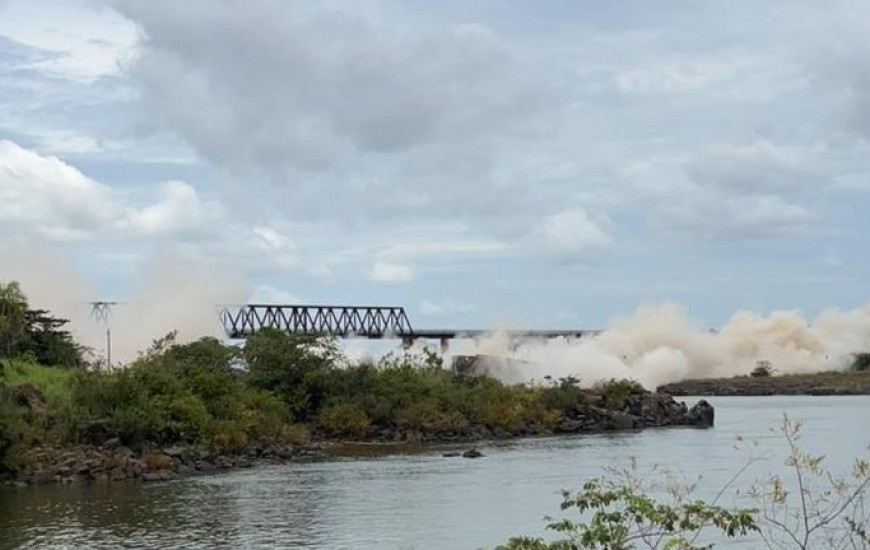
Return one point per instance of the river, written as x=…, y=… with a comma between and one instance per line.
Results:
x=414, y=501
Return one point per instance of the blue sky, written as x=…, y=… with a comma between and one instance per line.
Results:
x=547, y=164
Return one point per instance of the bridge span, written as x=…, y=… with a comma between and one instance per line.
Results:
x=372, y=322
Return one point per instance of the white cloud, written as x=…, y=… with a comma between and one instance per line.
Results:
x=179, y=212
x=60, y=202
x=571, y=233
x=85, y=41
x=46, y=193
x=385, y=272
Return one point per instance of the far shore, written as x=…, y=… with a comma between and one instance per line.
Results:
x=821, y=383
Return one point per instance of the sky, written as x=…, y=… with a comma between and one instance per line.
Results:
x=550, y=164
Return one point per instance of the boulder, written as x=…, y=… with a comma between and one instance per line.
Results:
x=472, y=453
x=28, y=395
x=97, y=432
x=702, y=414
x=174, y=452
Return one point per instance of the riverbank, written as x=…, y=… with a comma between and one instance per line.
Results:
x=822, y=383
x=99, y=453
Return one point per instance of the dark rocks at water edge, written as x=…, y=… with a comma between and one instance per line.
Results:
x=113, y=461
x=641, y=410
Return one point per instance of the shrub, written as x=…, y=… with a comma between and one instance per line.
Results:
x=628, y=509
x=158, y=461
x=860, y=363
x=762, y=369
x=616, y=392
x=228, y=438
x=344, y=420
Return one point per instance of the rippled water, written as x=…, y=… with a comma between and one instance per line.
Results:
x=414, y=501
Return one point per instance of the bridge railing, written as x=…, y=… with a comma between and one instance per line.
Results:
x=316, y=320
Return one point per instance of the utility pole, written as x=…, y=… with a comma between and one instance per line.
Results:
x=102, y=313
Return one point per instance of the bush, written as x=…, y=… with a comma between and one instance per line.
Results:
x=860, y=363
x=616, y=392
x=628, y=509
x=762, y=369
x=344, y=420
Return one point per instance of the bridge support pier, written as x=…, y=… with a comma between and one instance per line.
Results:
x=407, y=343
x=445, y=345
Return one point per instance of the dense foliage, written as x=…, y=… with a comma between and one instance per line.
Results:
x=33, y=333
x=277, y=387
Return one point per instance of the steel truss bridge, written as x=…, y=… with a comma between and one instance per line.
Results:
x=372, y=322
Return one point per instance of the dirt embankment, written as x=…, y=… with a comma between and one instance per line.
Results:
x=823, y=383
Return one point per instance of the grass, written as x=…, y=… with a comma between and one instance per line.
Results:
x=55, y=383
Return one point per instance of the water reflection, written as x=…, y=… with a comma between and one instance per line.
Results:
x=418, y=500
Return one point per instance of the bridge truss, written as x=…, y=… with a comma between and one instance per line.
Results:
x=317, y=320
x=371, y=322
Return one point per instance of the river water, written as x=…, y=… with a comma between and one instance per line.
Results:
x=416, y=501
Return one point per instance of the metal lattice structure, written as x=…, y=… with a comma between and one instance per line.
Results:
x=102, y=311
x=340, y=321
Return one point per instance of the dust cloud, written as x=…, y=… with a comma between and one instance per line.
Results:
x=169, y=293
x=660, y=344
x=657, y=344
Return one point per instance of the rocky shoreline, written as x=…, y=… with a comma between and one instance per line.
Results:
x=817, y=384
x=102, y=457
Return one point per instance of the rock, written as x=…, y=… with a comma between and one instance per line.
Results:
x=28, y=395
x=117, y=474
x=174, y=452
x=452, y=454
x=97, y=432
x=568, y=426
x=621, y=421
x=112, y=444
x=160, y=475
x=702, y=414
x=472, y=453
x=204, y=466
x=42, y=477
x=134, y=467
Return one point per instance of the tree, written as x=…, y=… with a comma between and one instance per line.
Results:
x=34, y=331
x=13, y=318
x=294, y=367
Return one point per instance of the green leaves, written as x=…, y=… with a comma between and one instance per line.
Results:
x=622, y=517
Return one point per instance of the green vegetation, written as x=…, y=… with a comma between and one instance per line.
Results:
x=33, y=333
x=277, y=388
x=861, y=363
x=809, y=507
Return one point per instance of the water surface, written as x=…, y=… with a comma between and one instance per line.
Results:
x=419, y=501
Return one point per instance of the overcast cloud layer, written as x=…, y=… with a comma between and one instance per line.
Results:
x=546, y=164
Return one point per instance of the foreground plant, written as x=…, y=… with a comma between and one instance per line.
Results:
x=806, y=507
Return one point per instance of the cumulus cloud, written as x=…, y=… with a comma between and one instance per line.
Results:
x=50, y=195
x=571, y=233
x=180, y=211
x=47, y=195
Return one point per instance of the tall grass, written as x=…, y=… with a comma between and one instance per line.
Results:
x=55, y=383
